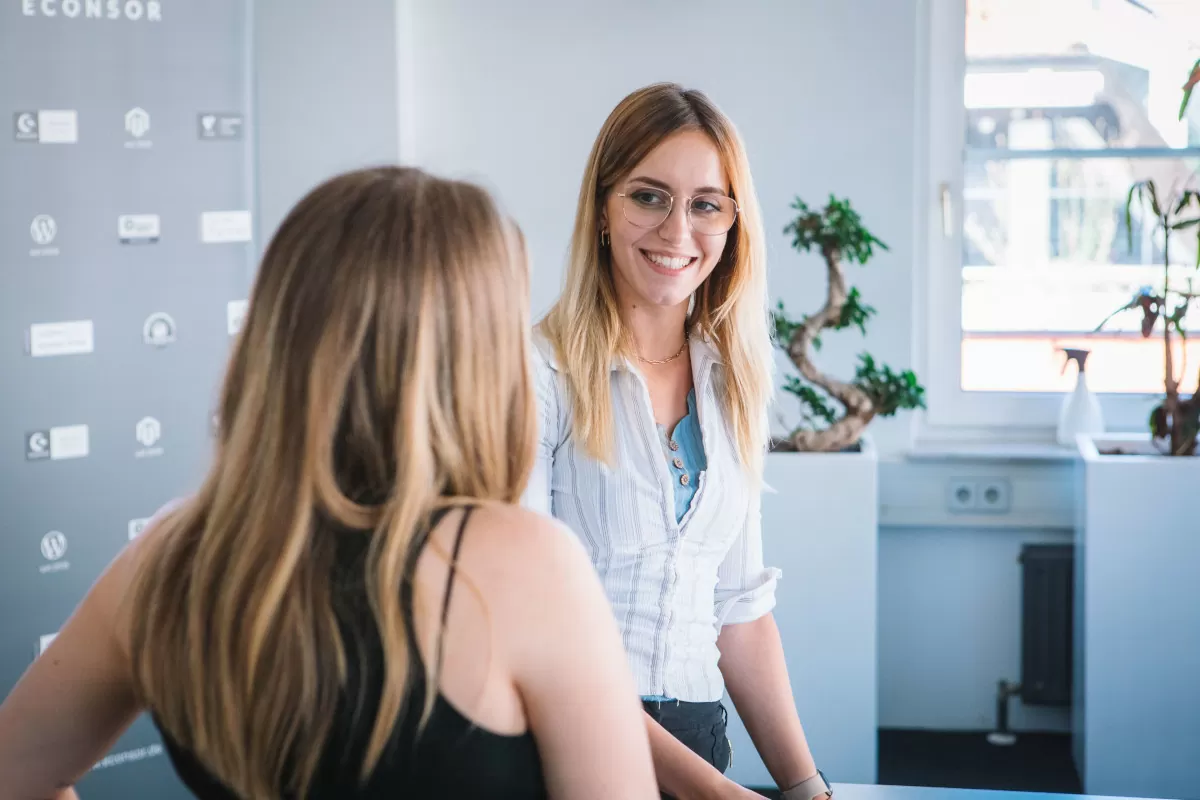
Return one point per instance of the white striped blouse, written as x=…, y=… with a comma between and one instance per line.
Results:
x=672, y=585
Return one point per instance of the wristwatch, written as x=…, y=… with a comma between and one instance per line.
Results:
x=814, y=787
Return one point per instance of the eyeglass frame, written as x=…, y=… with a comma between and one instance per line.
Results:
x=737, y=210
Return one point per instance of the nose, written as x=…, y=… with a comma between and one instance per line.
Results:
x=676, y=228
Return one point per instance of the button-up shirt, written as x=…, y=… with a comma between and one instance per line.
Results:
x=673, y=583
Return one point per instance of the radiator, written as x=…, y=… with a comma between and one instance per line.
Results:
x=1048, y=580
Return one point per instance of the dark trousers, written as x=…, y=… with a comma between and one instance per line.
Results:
x=700, y=726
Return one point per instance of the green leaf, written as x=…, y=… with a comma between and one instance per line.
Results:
x=1176, y=319
x=1154, y=198
x=854, y=312
x=890, y=391
x=1136, y=302
x=1186, y=198
x=1159, y=428
x=836, y=228
x=782, y=326
x=1135, y=188
x=814, y=406
x=1187, y=92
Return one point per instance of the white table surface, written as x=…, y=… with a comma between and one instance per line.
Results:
x=858, y=791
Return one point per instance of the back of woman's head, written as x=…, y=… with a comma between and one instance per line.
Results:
x=382, y=372
x=730, y=306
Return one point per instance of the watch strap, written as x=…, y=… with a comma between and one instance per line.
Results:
x=816, y=786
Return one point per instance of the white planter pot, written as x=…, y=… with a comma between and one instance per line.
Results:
x=1136, y=711
x=820, y=527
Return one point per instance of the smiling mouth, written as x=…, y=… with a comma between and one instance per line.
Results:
x=667, y=264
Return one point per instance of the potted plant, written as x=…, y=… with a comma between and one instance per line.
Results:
x=1175, y=422
x=820, y=517
x=837, y=233
x=1137, y=607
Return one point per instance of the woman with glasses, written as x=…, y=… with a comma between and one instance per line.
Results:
x=654, y=379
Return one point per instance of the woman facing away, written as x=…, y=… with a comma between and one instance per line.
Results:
x=654, y=380
x=351, y=605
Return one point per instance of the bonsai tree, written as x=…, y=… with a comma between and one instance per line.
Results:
x=837, y=233
x=1175, y=422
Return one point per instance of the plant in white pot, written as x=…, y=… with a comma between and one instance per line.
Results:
x=1137, y=600
x=1175, y=422
x=820, y=516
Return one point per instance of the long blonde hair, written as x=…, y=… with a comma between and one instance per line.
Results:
x=382, y=373
x=730, y=307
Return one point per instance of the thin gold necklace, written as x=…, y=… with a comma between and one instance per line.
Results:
x=668, y=359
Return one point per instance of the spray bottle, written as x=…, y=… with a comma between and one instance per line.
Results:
x=1080, y=409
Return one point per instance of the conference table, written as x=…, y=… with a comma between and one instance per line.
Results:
x=858, y=791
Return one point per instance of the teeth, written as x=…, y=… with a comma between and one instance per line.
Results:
x=669, y=263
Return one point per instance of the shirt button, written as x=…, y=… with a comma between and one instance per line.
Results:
x=674, y=445
x=678, y=463
x=684, y=479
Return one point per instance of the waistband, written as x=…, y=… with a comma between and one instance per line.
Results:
x=667, y=712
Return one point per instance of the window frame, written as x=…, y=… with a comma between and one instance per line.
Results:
x=939, y=275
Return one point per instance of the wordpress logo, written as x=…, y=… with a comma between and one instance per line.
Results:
x=43, y=229
x=54, y=546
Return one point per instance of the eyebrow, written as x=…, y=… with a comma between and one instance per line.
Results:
x=660, y=185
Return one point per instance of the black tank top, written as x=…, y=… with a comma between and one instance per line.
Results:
x=450, y=758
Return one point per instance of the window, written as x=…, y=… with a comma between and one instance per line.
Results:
x=1042, y=116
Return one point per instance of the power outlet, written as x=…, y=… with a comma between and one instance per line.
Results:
x=995, y=495
x=979, y=495
x=962, y=495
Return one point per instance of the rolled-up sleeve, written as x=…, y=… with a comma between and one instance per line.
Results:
x=537, y=495
x=746, y=588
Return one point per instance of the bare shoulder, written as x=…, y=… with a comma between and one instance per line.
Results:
x=537, y=584
x=507, y=544
x=530, y=572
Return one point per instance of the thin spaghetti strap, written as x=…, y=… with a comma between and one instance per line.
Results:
x=462, y=528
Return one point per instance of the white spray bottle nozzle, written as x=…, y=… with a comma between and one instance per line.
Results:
x=1074, y=354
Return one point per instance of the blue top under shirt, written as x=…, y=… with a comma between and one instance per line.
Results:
x=687, y=458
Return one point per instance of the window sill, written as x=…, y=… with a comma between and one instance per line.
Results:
x=1035, y=451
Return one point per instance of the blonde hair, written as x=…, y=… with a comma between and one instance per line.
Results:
x=730, y=307
x=382, y=373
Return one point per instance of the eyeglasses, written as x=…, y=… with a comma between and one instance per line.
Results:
x=649, y=207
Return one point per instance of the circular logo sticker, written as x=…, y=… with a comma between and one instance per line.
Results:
x=54, y=545
x=159, y=329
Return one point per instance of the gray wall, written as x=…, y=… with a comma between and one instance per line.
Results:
x=325, y=76
x=136, y=86
x=321, y=78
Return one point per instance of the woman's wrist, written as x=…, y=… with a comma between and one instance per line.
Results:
x=814, y=787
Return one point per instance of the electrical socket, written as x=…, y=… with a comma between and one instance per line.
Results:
x=961, y=495
x=979, y=495
x=995, y=495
